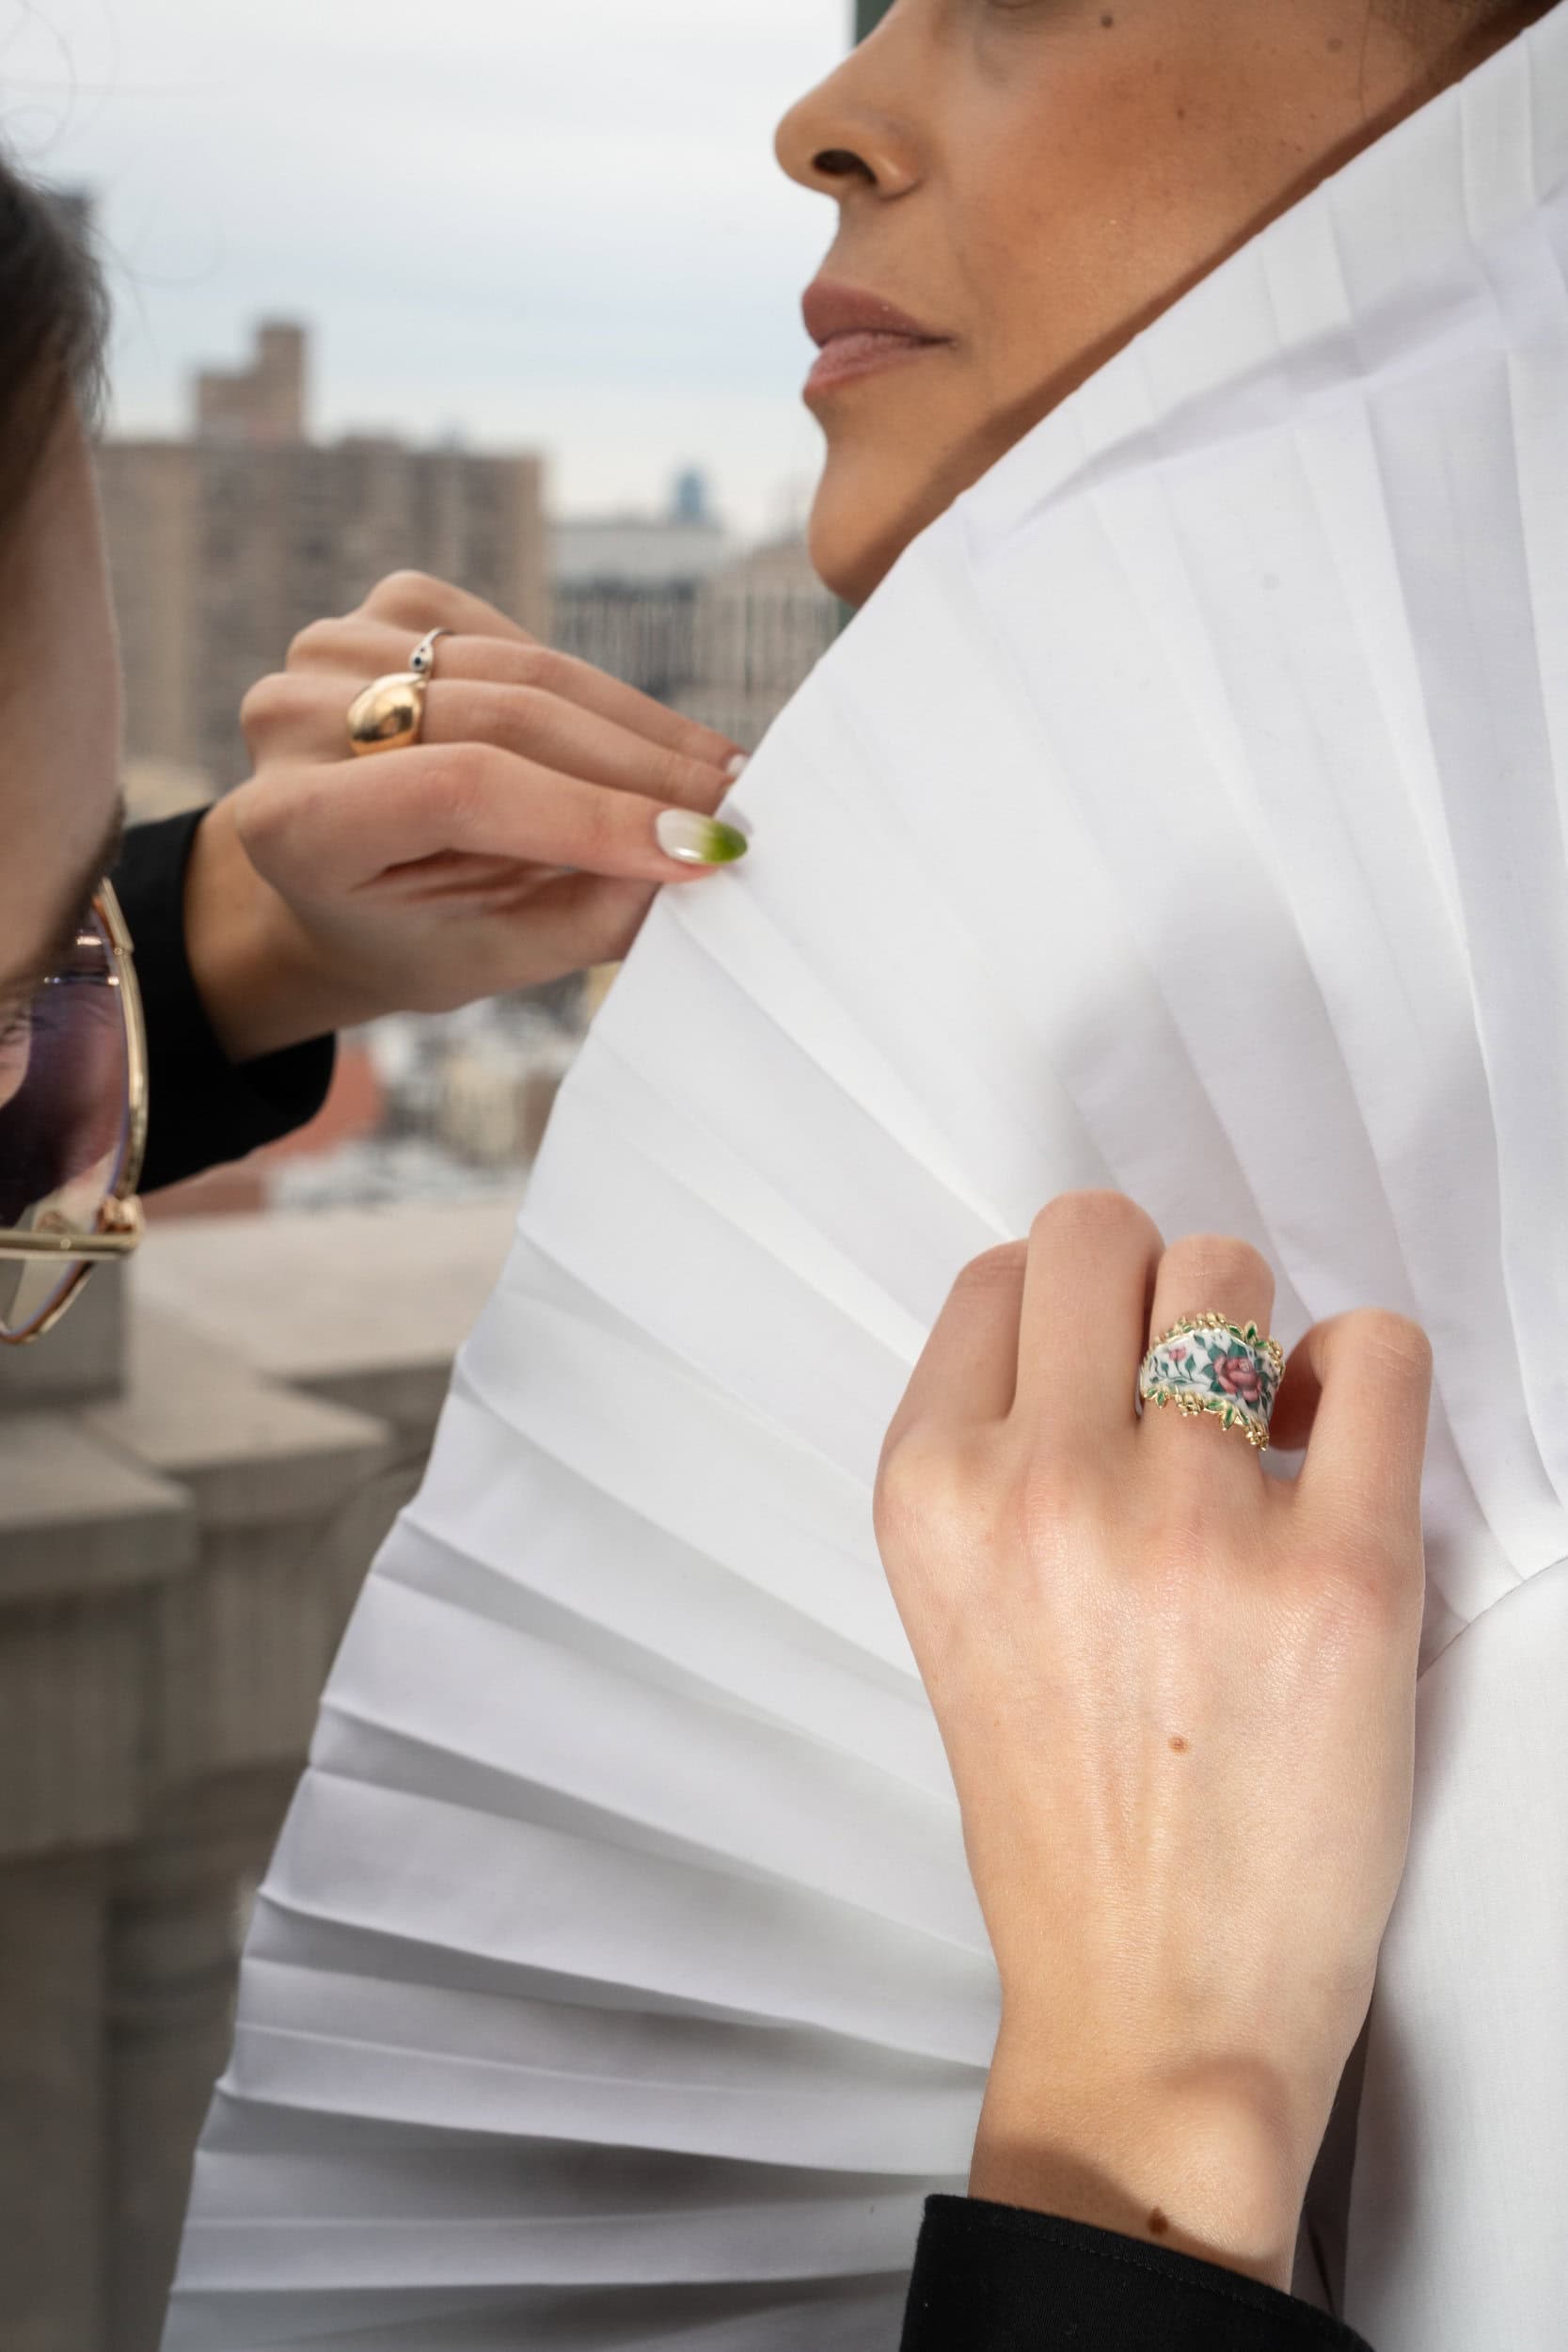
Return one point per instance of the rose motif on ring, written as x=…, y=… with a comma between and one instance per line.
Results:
x=1238, y=1376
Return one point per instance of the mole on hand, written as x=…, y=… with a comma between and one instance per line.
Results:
x=1158, y=2223
x=1179, y=1746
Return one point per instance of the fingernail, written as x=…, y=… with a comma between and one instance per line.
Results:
x=698, y=840
x=738, y=765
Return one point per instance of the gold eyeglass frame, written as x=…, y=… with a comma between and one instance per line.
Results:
x=120, y=1219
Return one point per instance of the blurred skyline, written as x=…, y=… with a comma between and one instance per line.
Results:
x=530, y=225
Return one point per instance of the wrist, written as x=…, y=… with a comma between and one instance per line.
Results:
x=261, y=984
x=1205, y=2160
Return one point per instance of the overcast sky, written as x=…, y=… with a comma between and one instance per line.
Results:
x=540, y=223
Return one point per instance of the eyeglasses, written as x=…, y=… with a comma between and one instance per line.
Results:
x=73, y=1127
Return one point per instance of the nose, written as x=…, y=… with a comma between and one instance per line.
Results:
x=850, y=134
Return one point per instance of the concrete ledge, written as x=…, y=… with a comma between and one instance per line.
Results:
x=363, y=1307
x=247, y=1452
x=83, y=1356
x=76, y=1516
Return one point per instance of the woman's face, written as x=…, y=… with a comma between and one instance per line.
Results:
x=1022, y=184
x=59, y=730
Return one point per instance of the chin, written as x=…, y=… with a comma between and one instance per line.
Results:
x=863, y=518
x=860, y=524
x=838, y=556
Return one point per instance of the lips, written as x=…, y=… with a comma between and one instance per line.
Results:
x=859, y=333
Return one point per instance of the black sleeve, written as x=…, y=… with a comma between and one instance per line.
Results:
x=204, y=1107
x=989, y=2278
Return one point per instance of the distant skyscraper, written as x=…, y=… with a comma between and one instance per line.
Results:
x=692, y=502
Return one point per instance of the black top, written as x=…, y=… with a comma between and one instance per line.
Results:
x=987, y=2279
x=204, y=1107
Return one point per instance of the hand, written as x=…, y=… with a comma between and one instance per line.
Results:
x=513, y=845
x=1177, y=1697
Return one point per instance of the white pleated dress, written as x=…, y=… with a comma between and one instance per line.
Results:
x=1184, y=813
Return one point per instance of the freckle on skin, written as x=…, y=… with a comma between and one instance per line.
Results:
x=1179, y=1746
x=1107, y=21
x=1158, y=2223
x=1335, y=45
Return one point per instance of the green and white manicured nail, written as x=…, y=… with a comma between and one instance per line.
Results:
x=698, y=840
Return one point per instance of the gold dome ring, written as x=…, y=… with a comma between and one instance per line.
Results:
x=390, y=715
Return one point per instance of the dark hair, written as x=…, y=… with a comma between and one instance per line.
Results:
x=53, y=322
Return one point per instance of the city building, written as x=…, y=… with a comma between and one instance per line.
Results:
x=266, y=403
x=626, y=587
x=760, y=625
x=224, y=544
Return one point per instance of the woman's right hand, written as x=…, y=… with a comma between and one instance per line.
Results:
x=1178, y=1699
x=523, y=838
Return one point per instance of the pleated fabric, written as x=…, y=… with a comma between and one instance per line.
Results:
x=1186, y=814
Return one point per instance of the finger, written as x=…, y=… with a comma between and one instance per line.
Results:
x=1208, y=1274
x=968, y=1369
x=357, y=650
x=1361, y=1383
x=294, y=716
x=1085, y=1304
x=417, y=602
x=561, y=735
x=337, y=828
x=569, y=681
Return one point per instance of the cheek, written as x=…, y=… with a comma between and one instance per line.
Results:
x=13, y=1068
x=1071, y=247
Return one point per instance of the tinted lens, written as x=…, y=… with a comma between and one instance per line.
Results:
x=64, y=1119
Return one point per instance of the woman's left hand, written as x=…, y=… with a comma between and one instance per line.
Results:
x=521, y=839
x=1179, y=1698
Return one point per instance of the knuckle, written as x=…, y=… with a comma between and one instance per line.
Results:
x=924, y=1480
x=599, y=832
x=1002, y=1268
x=904, y=1476
x=409, y=596
x=1392, y=1341
x=543, y=670
x=271, y=700
x=1217, y=1259
x=320, y=641
x=1092, y=1215
x=1361, y=1586
x=675, y=778
x=458, y=778
x=1044, y=1497
x=524, y=711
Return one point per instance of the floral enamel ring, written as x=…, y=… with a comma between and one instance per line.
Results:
x=1204, y=1364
